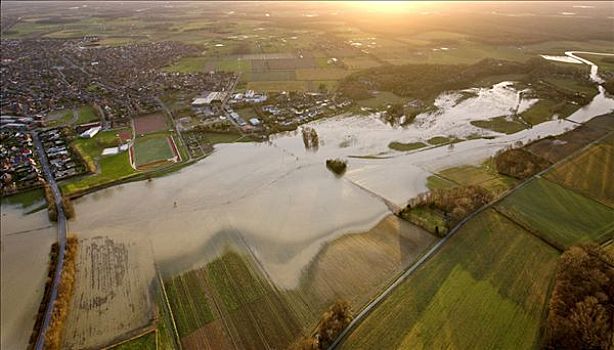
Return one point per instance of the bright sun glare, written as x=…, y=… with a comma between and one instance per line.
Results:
x=386, y=6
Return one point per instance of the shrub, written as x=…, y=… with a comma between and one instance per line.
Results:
x=332, y=323
x=337, y=166
x=69, y=208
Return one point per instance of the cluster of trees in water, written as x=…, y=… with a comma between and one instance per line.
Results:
x=310, y=138
x=581, y=310
x=426, y=81
x=519, y=163
x=332, y=323
x=337, y=166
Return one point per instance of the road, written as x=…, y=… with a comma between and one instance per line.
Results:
x=40, y=341
x=435, y=248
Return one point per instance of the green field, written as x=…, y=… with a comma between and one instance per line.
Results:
x=145, y=342
x=87, y=114
x=560, y=216
x=500, y=124
x=484, y=175
x=60, y=117
x=251, y=311
x=485, y=289
x=545, y=110
x=437, y=182
x=188, y=64
x=440, y=140
x=403, y=147
x=277, y=86
x=591, y=173
x=108, y=169
x=152, y=148
x=186, y=294
x=381, y=99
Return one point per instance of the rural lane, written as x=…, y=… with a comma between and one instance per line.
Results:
x=40, y=341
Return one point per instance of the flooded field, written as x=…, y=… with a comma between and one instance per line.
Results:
x=25, y=243
x=313, y=236
x=112, y=296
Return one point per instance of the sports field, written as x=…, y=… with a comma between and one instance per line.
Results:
x=558, y=215
x=485, y=289
x=150, y=123
x=152, y=148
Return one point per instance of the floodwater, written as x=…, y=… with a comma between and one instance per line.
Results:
x=25, y=243
x=282, y=201
x=276, y=198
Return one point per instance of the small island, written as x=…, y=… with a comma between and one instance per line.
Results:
x=337, y=166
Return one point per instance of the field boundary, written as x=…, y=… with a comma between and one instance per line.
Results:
x=170, y=310
x=148, y=329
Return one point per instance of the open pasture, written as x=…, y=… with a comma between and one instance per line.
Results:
x=321, y=74
x=590, y=173
x=277, y=86
x=558, y=215
x=555, y=149
x=484, y=175
x=485, y=289
x=87, y=114
x=150, y=123
x=355, y=267
x=504, y=125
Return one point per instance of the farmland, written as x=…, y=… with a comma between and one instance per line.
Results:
x=554, y=149
x=486, y=288
x=247, y=309
x=381, y=252
x=112, y=276
x=560, y=216
x=484, y=175
x=590, y=173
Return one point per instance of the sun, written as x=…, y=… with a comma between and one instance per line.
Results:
x=385, y=6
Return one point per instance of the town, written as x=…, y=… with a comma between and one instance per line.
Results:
x=76, y=88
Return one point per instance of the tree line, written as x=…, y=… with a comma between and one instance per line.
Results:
x=427, y=81
x=581, y=309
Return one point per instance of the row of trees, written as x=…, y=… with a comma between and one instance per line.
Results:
x=519, y=163
x=53, y=337
x=332, y=323
x=581, y=310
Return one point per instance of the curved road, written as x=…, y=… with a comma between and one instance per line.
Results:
x=40, y=341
